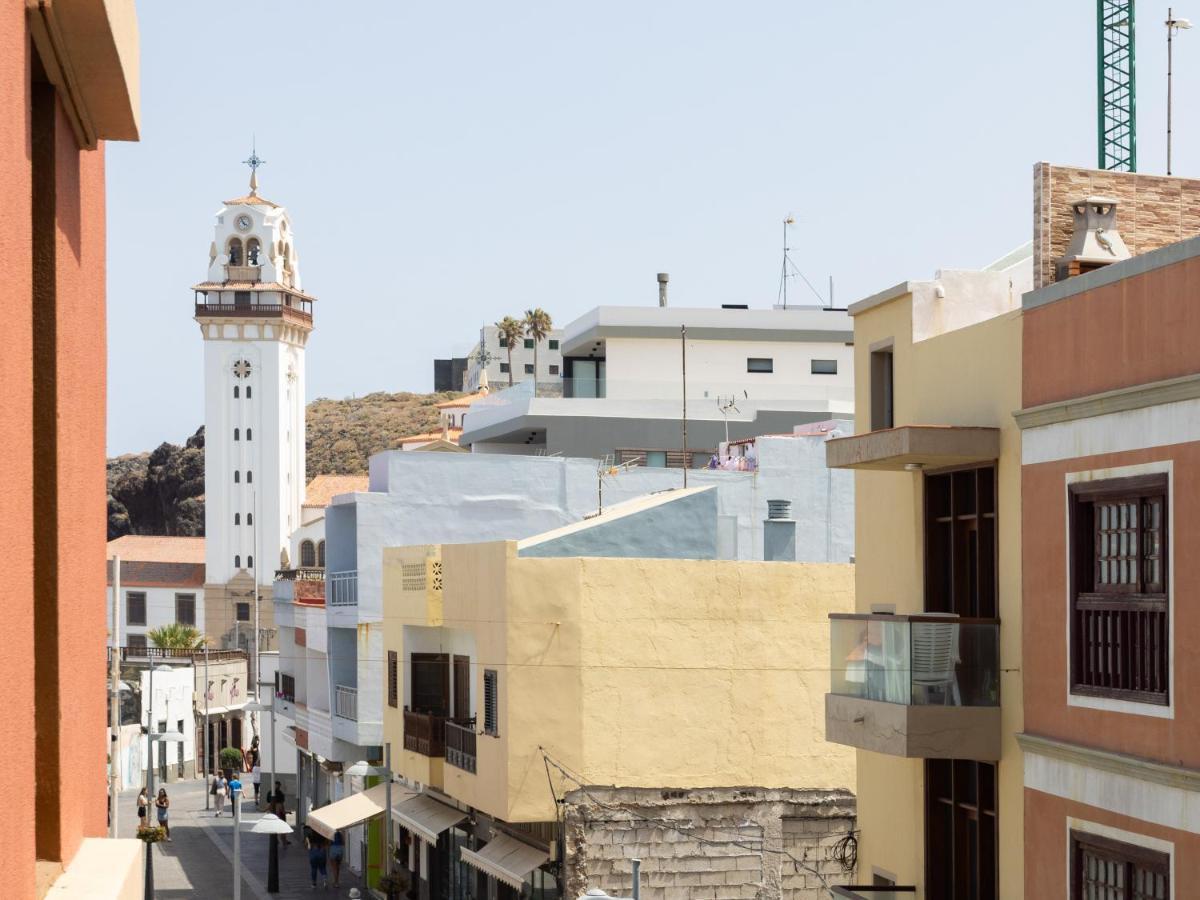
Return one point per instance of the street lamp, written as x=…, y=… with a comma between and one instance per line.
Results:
x=169, y=737
x=258, y=706
x=1173, y=25
x=270, y=824
x=362, y=769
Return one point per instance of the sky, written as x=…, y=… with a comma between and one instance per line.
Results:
x=446, y=164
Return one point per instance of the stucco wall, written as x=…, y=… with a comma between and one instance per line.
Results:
x=969, y=376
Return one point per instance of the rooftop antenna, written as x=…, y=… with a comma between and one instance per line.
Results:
x=726, y=405
x=791, y=270
x=1116, y=107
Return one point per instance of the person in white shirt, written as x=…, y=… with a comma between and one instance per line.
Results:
x=256, y=778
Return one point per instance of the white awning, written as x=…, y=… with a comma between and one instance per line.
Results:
x=506, y=858
x=426, y=816
x=354, y=809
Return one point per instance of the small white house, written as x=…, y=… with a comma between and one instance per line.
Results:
x=162, y=582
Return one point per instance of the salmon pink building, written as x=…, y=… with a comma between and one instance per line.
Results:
x=1111, y=571
x=69, y=76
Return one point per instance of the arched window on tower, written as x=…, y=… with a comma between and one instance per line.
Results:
x=253, y=249
x=249, y=477
x=308, y=554
x=237, y=477
x=236, y=434
x=237, y=518
x=235, y=251
x=249, y=562
x=321, y=553
x=249, y=518
x=235, y=392
x=249, y=434
x=247, y=392
x=237, y=562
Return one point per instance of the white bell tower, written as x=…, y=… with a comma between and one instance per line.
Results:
x=255, y=321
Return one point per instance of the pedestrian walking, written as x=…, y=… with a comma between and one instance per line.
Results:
x=220, y=787
x=162, y=803
x=276, y=804
x=256, y=778
x=235, y=793
x=316, y=857
x=337, y=852
x=142, y=803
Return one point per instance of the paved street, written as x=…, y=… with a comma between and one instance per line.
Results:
x=198, y=862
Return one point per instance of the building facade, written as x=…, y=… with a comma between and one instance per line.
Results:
x=72, y=85
x=1111, y=462
x=580, y=654
x=162, y=583
x=926, y=674
x=502, y=370
x=255, y=322
x=749, y=372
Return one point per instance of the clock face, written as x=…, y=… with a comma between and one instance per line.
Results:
x=243, y=222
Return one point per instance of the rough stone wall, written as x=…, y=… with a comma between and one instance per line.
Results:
x=1152, y=210
x=726, y=843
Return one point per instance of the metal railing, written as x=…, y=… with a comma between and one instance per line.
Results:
x=137, y=653
x=301, y=573
x=342, y=588
x=460, y=744
x=345, y=702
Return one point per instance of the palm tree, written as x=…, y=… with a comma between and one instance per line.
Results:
x=537, y=325
x=511, y=330
x=177, y=637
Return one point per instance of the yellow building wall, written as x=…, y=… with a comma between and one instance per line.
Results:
x=637, y=672
x=971, y=376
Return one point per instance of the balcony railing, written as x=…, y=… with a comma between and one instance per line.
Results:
x=874, y=892
x=424, y=733
x=342, y=588
x=924, y=686
x=302, y=573
x=916, y=660
x=301, y=312
x=345, y=702
x=243, y=273
x=460, y=744
x=140, y=653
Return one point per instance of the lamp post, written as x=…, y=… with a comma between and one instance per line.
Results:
x=151, y=737
x=363, y=768
x=259, y=706
x=1173, y=25
x=271, y=824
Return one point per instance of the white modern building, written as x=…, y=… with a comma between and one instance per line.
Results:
x=549, y=361
x=162, y=583
x=625, y=374
x=255, y=321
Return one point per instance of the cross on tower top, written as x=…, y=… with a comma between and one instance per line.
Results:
x=254, y=161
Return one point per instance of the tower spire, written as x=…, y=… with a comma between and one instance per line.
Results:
x=254, y=161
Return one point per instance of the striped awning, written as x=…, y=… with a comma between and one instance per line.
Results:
x=355, y=809
x=507, y=859
x=427, y=817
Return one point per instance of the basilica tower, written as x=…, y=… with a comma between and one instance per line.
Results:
x=255, y=321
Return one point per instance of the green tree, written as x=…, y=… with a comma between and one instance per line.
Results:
x=177, y=637
x=537, y=325
x=511, y=331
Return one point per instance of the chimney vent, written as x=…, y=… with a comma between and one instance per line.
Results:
x=779, y=532
x=779, y=509
x=1095, y=242
x=663, y=278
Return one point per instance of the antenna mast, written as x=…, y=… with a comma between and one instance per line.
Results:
x=1116, y=89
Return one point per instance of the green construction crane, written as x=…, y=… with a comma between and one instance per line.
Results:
x=1117, y=106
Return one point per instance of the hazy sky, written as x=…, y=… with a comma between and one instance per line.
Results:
x=447, y=163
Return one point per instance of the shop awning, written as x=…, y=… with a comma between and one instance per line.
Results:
x=507, y=859
x=355, y=809
x=427, y=817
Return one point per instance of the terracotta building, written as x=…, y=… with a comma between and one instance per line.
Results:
x=69, y=71
x=1110, y=476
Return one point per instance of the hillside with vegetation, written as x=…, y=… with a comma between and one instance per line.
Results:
x=162, y=492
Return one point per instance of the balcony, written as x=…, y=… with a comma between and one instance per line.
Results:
x=424, y=733
x=345, y=702
x=874, y=892
x=293, y=309
x=460, y=744
x=243, y=273
x=914, y=447
x=342, y=588
x=920, y=686
x=303, y=573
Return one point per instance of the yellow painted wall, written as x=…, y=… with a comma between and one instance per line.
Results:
x=639, y=672
x=971, y=376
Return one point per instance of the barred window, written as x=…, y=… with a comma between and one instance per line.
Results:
x=1120, y=640
x=1113, y=870
x=308, y=553
x=490, y=703
x=393, y=679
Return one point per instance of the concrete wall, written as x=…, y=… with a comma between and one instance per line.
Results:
x=172, y=705
x=602, y=662
x=969, y=376
x=730, y=843
x=160, y=608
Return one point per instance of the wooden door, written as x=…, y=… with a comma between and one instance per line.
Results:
x=431, y=683
x=462, y=687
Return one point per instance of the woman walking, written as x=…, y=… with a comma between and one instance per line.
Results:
x=220, y=789
x=142, y=803
x=337, y=851
x=276, y=804
x=316, y=857
x=163, y=804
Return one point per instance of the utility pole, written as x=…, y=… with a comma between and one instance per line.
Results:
x=683, y=350
x=1116, y=100
x=1173, y=25
x=114, y=695
x=207, y=748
